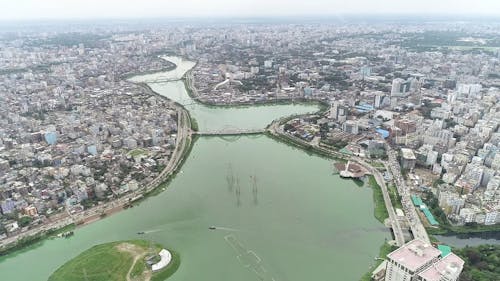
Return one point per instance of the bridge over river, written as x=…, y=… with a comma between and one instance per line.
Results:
x=229, y=132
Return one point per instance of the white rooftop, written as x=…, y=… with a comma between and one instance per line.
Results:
x=414, y=254
x=450, y=266
x=408, y=153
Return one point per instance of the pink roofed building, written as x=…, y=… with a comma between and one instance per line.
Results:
x=410, y=259
x=447, y=269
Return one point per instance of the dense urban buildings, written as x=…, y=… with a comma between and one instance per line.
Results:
x=416, y=103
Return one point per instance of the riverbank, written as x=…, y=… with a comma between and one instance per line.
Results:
x=272, y=177
x=39, y=233
x=451, y=230
x=170, y=66
x=192, y=93
x=24, y=242
x=380, y=211
x=385, y=249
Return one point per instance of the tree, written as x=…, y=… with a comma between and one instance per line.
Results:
x=24, y=221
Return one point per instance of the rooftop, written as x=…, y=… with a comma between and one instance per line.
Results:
x=414, y=254
x=445, y=250
x=383, y=133
x=408, y=154
x=429, y=216
x=417, y=201
x=450, y=266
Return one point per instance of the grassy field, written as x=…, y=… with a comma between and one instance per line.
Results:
x=380, y=211
x=115, y=262
x=137, y=152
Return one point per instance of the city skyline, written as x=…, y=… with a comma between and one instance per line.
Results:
x=91, y=9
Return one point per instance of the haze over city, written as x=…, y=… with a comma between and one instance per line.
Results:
x=82, y=9
x=271, y=140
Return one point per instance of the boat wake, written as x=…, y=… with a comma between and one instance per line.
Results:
x=225, y=228
x=149, y=231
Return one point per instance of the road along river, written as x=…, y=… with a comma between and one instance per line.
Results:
x=279, y=213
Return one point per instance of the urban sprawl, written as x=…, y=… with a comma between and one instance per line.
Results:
x=416, y=103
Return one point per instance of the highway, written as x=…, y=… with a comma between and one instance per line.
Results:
x=416, y=225
x=396, y=226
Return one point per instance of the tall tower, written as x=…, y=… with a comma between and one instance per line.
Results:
x=378, y=99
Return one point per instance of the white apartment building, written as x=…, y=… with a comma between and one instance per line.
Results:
x=420, y=261
x=410, y=259
x=447, y=269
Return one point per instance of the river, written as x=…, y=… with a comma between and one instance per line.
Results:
x=283, y=217
x=471, y=240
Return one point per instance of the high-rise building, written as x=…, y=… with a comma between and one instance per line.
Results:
x=338, y=112
x=398, y=87
x=408, y=159
x=351, y=127
x=379, y=98
x=420, y=261
x=365, y=71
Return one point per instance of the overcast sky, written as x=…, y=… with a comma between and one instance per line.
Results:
x=69, y=9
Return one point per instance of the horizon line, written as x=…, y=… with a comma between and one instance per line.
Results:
x=389, y=15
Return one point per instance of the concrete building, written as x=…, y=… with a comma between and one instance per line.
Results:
x=378, y=99
x=399, y=87
x=350, y=127
x=409, y=260
x=408, y=159
x=447, y=269
x=338, y=112
x=419, y=261
x=491, y=217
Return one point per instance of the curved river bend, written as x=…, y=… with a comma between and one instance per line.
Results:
x=288, y=218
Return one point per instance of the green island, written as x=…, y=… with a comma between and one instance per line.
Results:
x=117, y=261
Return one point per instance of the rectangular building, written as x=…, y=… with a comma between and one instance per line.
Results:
x=409, y=260
x=447, y=269
x=408, y=159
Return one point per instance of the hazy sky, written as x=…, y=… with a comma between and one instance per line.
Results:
x=67, y=9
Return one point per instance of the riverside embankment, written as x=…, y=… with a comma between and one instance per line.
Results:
x=280, y=213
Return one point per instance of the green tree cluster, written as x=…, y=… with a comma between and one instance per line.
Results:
x=482, y=263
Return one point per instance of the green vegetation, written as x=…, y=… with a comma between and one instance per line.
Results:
x=137, y=152
x=31, y=240
x=138, y=269
x=335, y=145
x=465, y=229
x=385, y=249
x=71, y=39
x=395, y=197
x=194, y=125
x=113, y=261
x=380, y=211
x=24, y=221
x=443, y=40
x=101, y=262
x=309, y=149
x=482, y=263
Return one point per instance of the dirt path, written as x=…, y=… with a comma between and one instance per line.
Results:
x=137, y=253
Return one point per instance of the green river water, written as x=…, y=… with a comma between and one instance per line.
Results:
x=287, y=218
